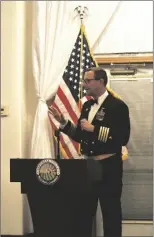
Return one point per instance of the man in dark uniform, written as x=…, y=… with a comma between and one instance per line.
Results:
x=102, y=129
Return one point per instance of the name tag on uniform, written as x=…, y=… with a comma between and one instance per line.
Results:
x=100, y=114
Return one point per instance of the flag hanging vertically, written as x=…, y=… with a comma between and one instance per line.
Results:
x=69, y=92
x=70, y=96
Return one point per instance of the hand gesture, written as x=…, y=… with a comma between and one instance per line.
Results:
x=86, y=125
x=57, y=115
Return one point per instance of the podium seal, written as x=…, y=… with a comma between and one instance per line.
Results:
x=48, y=171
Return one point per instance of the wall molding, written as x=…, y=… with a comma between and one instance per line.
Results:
x=124, y=58
x=26, y=235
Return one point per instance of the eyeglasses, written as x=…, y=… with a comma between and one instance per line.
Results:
x=87, y=81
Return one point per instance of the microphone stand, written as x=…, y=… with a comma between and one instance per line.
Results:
x=57, y=134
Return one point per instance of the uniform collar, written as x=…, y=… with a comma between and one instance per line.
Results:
x=102, y=97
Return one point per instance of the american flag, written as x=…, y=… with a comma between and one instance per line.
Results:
x=70, y=93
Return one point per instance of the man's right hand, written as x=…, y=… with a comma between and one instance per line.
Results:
x=57, y=115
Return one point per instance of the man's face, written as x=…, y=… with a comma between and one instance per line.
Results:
x=90, y=84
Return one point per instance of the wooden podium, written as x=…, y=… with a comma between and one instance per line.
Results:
x=58, y=193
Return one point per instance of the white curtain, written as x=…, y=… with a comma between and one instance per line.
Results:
x=54, y=33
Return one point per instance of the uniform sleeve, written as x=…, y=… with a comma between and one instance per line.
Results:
x=74, y=131
x=119, y=130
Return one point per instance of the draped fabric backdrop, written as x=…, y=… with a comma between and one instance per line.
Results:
x=54, y=34
x=55, y=29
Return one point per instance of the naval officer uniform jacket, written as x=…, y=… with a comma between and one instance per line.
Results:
x=111, y=126
x=110, y=118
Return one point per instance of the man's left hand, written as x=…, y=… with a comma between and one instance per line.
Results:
x=85, y=125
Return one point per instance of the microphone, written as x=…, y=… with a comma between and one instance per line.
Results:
x=57, y=134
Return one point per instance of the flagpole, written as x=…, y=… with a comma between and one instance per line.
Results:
x=81, y=59
x=82, y=11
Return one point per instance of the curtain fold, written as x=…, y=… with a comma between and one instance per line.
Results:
x=54, y=34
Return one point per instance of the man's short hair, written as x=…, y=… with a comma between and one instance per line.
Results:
x=99, y=73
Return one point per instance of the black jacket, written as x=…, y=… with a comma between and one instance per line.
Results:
x=111, y=132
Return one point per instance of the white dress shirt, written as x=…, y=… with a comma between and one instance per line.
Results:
x=95, y=107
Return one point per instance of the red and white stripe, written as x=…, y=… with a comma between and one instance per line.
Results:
x=66, y=104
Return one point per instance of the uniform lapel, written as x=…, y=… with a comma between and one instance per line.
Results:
x=86, y=110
